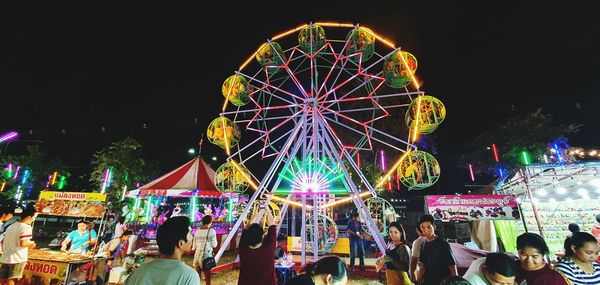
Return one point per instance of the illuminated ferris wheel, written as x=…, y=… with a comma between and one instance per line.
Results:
x=306, y=103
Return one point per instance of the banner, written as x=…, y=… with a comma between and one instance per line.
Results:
x=73, y=196
x=71, y=204
x=44, y=272
x=472, y=207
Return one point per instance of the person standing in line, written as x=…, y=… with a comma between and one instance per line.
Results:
x=16, y=245
x=354, y=231
x=174, y=237
x=436, y=257
x=397, y=257
x=205, y=240
x=532, y=268
x=495, y=268
x=257, y=254
x=580, y=263
x=415, y=254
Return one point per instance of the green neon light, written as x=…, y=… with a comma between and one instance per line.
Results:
x=193, y=208
x=230, y=210
x=525, y=159
x=61, y=183
x=286, y=178
x=148, y=208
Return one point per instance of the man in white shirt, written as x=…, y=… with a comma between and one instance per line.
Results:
x=495, y=269
x=16, y=244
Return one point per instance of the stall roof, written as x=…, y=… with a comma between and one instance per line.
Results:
x=558, y=181
x=194, y=178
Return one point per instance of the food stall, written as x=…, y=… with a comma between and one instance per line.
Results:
x=54, y=267
x=46, y=266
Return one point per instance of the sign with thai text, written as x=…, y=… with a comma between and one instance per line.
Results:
x=71, y=204
x=73, y=196
x=44, y=272
x=472, y=207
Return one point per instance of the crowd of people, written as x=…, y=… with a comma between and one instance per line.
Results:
x=432, y=261
x=428, y=261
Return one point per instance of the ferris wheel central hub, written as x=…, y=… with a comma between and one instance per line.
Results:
x=312, y=102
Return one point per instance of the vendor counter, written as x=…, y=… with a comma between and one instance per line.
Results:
x=56, y=267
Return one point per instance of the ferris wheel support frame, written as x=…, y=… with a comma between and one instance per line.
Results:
x=313, y=138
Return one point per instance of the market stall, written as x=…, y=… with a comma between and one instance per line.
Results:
x=553, y=195
x=55, y=267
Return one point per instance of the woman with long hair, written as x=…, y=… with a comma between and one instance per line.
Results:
x=397, y=256
x=579, y=263
x=257, y=254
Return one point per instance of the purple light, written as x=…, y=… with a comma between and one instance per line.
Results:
x=382, y=161
x=8, y=136
x=17, y=172
x=106, y=177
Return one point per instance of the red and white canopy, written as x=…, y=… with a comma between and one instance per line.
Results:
x=195, y=178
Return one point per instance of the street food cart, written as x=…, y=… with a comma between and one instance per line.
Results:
x=56, y=267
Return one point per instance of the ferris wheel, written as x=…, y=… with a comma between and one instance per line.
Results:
x=304, y=106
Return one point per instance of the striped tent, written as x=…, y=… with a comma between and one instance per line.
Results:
x=195, y=178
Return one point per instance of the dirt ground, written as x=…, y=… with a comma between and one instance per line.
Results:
x=230, y=276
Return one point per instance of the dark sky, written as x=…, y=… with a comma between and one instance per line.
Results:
x=120, y=66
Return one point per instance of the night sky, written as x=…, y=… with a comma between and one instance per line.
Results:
x=119, y=66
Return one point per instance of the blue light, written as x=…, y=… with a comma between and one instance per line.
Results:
x=500, y=173
x=25, y=176
x=558, y=153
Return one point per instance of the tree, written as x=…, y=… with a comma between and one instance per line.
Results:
x=532, y=133
x=124, y=159
x=38, y=167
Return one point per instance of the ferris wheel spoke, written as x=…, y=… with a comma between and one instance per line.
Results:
x=374, y=137
x=266, y=84
x=349, y=93
x=258, y=139
x=331, y=69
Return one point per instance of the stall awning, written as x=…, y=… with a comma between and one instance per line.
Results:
x=194, y=178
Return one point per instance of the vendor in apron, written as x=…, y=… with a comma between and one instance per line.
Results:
x=80, y=239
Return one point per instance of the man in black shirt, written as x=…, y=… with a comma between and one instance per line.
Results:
x=436, y=261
